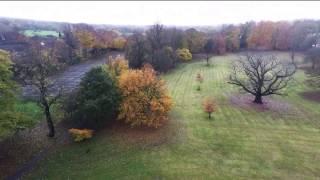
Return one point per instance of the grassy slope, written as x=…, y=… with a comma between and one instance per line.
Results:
x=236, y=144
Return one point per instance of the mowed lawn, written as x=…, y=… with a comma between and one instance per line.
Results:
x=236, y=143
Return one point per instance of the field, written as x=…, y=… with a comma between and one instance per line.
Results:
x=237, y=143
x=31, y=33
x=32, y=115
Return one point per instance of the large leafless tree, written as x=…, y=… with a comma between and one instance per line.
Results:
x=262, y=75
x=35, y=71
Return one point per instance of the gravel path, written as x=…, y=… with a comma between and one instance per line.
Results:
x=70, y=78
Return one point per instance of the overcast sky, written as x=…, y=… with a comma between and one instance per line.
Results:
x=165, y=12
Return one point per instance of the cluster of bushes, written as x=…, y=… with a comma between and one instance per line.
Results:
x=113, y=91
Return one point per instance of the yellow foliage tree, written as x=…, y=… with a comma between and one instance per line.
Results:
x=119, y=43
x=116, y=66
x=87, y=41
x=184, y=54
x=86, y=38
x=145, y=98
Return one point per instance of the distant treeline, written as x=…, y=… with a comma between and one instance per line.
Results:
x=157, y=44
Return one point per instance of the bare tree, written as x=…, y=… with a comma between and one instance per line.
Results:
x=155, y=36
x=155, y=39
x=35, y=72
x=262, y=75
x=136, y=51
x=313, y=56
x=208, y=48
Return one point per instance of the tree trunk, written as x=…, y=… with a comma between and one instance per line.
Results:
x=209, y=115
x=207, y=60
x=313, y=64
x=258, y=99
x=292, y=56
x=49, y=121
x=199, y=88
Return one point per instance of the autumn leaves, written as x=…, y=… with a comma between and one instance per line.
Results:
x=145, y=100
x=144, y=97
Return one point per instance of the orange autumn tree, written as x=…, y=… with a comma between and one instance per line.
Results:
x=209, y=106
x=145, y=98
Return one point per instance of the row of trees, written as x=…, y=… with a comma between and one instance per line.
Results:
x=74, y=42
x=158, y=45
x=83, y=41
x=267, y=35
x=163, y=47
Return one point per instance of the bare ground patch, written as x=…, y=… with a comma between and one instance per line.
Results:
x=311, y=95
x=245, y=101
x=143, y=136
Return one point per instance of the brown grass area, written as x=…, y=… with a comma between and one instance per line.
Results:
x=311, y=95
x=141, y=136
x=245, y=101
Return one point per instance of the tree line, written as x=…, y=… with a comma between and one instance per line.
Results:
x=159, y=44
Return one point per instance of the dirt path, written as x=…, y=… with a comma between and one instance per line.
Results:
x=70, y=78
x=22, y=152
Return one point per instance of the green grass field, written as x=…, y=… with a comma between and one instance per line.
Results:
x=31, y=33
x=236, y=144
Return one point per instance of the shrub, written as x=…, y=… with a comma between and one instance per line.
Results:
x=145, y=99
x=209, y=106
x=81, y=134
x=97, y=99
x=184, y=54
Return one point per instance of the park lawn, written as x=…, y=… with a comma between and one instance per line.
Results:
x=236, y=143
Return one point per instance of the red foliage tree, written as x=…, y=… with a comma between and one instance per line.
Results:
x=261, y=36
x=219, y=44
